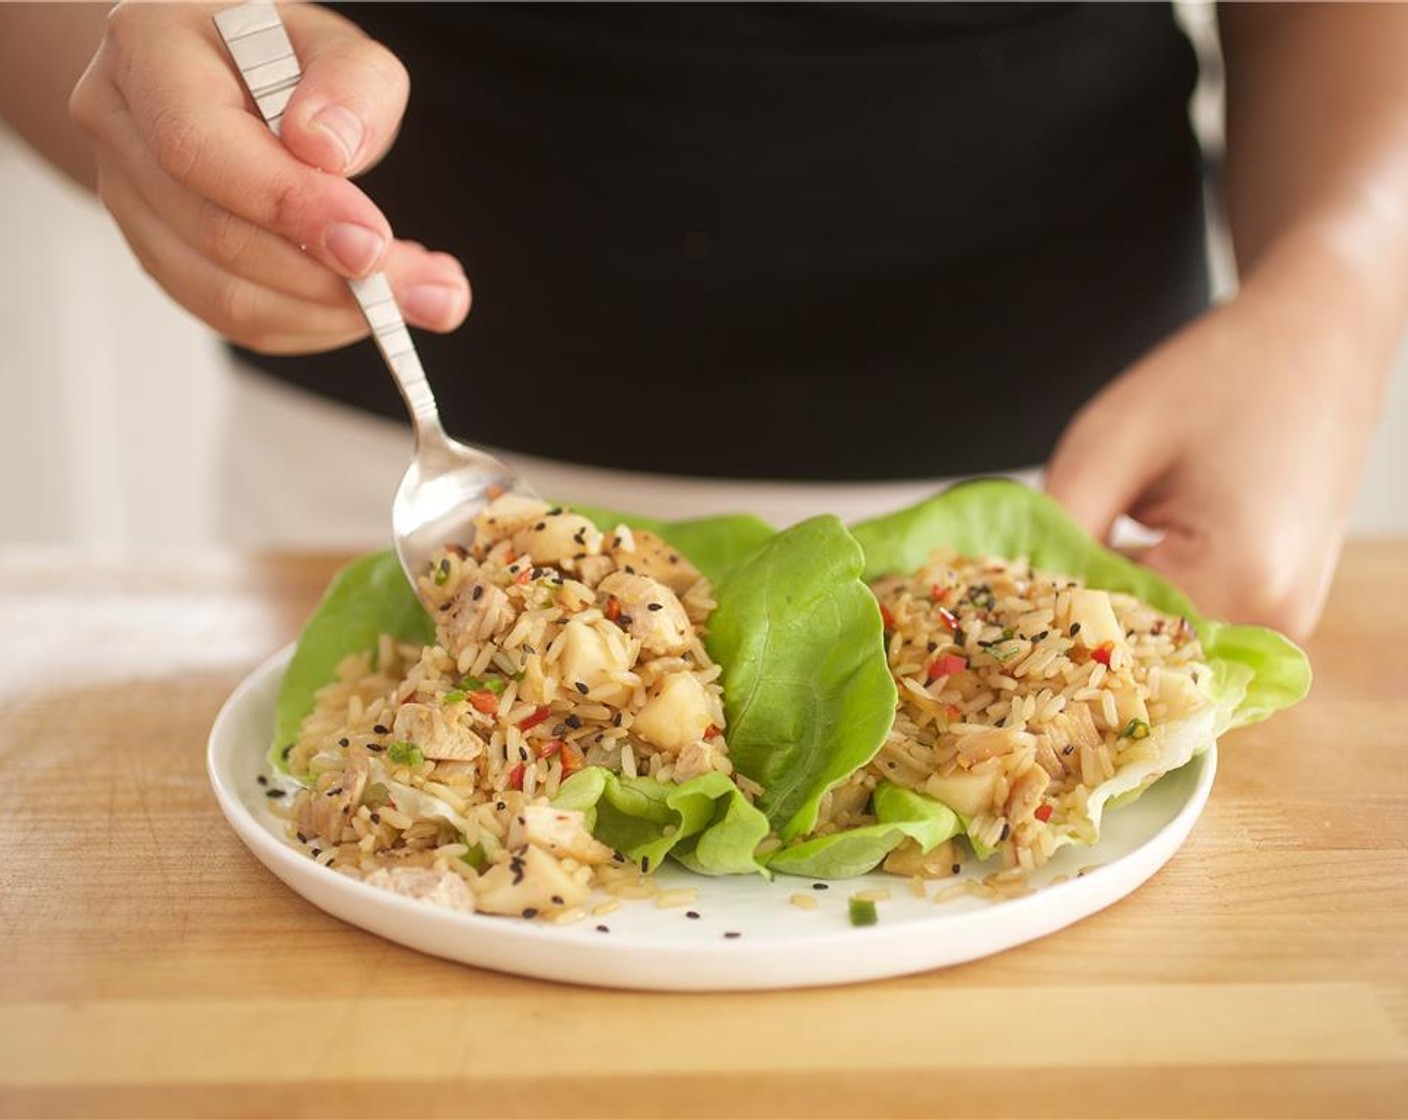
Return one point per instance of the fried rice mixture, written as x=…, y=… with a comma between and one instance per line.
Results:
x=1020, y=692
x=557, y=647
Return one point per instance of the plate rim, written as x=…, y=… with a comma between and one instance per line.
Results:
x=488, y=941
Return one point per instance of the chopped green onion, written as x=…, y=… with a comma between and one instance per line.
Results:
x=407, y=754
x=496, y=685
x=863, y=912
x=476, y=857
x=454, y=696
x=1135, y=729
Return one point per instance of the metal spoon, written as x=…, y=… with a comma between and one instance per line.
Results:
x=447, y=483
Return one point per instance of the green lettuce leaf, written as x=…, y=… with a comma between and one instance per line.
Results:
x=706, y=823
x=807, y=691
x=367, y=598
x=1255, y=671
x=900, y=814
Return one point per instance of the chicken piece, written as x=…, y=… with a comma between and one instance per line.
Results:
x=586, y=657
x=1074, y=727
x=558, y=536
x=1095, y=614
x=644, y=554
x=531, y=882
x=963, y=791
x=910, y=860
x=439, y=888
x=326, y=812
x=436, y=735
x=696, y=758
x=1026, y=793
x=1130, y=706
x=559, y=832
x=676, y=715
x=478, y=612
x=655, y=615
x=503, y=517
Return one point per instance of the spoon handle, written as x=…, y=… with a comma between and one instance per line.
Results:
x=255, y=36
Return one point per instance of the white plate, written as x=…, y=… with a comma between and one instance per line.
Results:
x=777, y=944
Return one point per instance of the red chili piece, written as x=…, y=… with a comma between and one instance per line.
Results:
x=485, y=702
x=536, y=718
x=1101, y=653
x=1043, y=813
x=945, y=666
x=515, y=777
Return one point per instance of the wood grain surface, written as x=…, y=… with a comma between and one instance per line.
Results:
x=149, y=966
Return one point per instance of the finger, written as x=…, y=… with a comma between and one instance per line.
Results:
x=189, y=108
x=242, y=248
x=249, y=314
x=1102, y=464
x=348, y=106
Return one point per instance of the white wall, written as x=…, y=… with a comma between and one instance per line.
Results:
x=111, y=397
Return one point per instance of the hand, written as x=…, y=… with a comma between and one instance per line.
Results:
x=216, y=208
x=1241, y=439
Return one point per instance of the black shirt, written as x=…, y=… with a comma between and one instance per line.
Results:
x=788, y=241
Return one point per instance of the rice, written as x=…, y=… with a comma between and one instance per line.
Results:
x=1020, y=692
x=556, y=648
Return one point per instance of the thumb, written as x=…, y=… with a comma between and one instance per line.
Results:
x=344, y=115
x=1102, y=465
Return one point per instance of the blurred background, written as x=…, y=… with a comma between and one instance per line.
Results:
x=113, y=396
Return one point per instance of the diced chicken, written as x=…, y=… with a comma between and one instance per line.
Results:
x=1130, y=706
x=1074, y=728
x=439, y=888
x=1180, y=692
x=909, y=860
x=587, y=657
x=326, y=812
x=696, y=758
x=558, y=536
x=647, y=555
x=963, y=791
x=560, y=832
x=436, y=735
x=504, y=516
x=478, y=612
x=656, y=616
x=531, y=881
x=1095, y=614
x=592, y=570
x=677, y=714
x=1026, y=793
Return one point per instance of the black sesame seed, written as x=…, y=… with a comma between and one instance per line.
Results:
x=573, y=722
x=344, y=742
x=691, y=913
x=375, y=818
x=655, y=606
x=618, y=857
x=1068, y=748
x=522, y=754
x=732, y=934
x=284, y=753
x=956, y=869
x=1006, y=831
x=334, y=791
x=582, y=687
x=500, y=806
x=624, y=620
x=932, y=646
x=645, y=863
x=530, y=911
x=375, y=747
x=603, y=929
x=274, y=793
x=301, y=838
x=316, y=852
x=616, y=720
x=630, y=571
x=540, y=526
x=262, y=780
x=559, y=729
x=557, y=900
x=477, y=593
x=1075, y=629
x=382, y=729
x=821, y=886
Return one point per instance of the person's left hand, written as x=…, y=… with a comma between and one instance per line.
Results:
x=1241, y=439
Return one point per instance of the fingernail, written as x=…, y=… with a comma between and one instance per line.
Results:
x=432, y=304
x=355, y=248
x=345, y=127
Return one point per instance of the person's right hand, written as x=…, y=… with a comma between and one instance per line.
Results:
x=253, y=235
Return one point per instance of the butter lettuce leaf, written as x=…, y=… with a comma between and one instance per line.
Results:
x=900, y=814
x=1255, y=671
x=706, y=823
x=367, y=598
x=807, y=691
